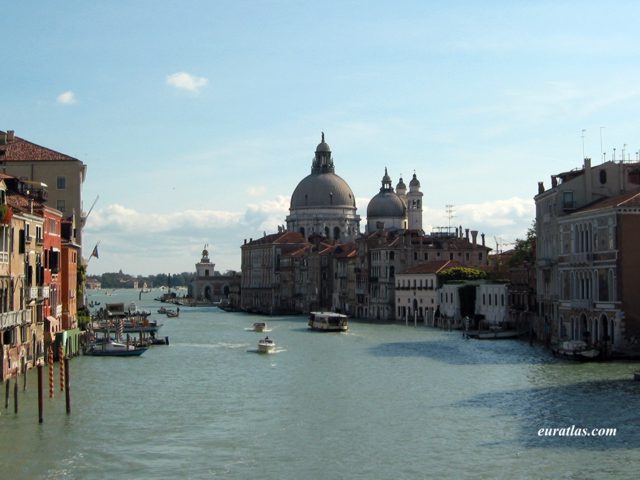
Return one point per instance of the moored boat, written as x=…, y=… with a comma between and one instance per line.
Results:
x=266, y=345
x=114, y=349
x=328, y=322
x=576, y=350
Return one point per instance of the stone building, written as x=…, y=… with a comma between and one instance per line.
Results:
x=210, y=286
x=61, y=174
x=323, y=202
x=586, y=227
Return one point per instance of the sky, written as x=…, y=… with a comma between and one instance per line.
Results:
x=197, y=119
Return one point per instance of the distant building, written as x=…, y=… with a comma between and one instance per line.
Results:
x=321, y=261
x=209, y=286
x=323, y=202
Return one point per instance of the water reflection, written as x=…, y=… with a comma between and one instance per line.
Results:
x=592, y=404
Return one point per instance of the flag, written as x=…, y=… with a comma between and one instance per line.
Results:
x=95, y=252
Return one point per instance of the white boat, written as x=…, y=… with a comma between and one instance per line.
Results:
x=259, y=327
x=576, y=350
x=114, y=349
x=266, y=345
x=328, y=322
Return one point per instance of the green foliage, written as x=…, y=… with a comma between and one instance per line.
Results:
x=461, y=273
x=525, y=250
x=122, y=280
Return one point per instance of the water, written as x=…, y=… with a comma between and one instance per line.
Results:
x=381, y=402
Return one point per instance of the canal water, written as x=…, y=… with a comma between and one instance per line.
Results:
x=380, y=402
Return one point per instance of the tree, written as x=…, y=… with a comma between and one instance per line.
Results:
x=525, y=250
x=461, y=273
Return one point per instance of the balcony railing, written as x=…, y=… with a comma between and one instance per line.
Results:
x=14, y=319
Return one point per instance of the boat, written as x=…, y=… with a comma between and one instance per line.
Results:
x=114, y=349
x=576, y=350
x=496, y=334
x=328, y=322
x=266, y=345
x=259, y=327
x=162, y=310
x=172, y=313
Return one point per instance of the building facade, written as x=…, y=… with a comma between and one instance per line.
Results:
x=580, y=237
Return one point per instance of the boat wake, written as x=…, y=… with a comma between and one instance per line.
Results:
x=252, y=330
x=277, y=350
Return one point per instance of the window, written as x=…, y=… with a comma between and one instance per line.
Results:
x=567, y=200
x=603, y=176
x=61, y=183
x=5, y=231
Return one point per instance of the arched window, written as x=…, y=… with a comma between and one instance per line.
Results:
x=336, y=233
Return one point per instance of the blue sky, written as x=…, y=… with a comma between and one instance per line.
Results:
x=197, y=119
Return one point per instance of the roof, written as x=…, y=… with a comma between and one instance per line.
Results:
x=20, y=150
x=325, y=190
x=628, y=200
x=434, y=266
x=279, y=238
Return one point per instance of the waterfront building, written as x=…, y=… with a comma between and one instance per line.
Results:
x=417, y=291
x=210, y=286
x=598, y=275
x=261, y=272
x=323, y=203
x=51, y=263
x=587, y=227
x=37, y=166
x=21, y=280
x=492, y=303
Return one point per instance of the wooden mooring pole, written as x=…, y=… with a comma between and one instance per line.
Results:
x=15, y=396
x=40, y=404
x=67, y=385
x=6, y=394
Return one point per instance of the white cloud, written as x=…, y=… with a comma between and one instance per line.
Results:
x=256, y=191
x=66, y=98
x=186, y=81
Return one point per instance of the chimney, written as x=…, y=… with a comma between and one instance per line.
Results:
x=245, y=241
x=474, y=236
x=554, y=181
x=456, y=232
x=540, y=188
x=460, y=231
x=482, y=236
x=10, y=135
x=587, y=179
x=3, y=138
x=466, y=233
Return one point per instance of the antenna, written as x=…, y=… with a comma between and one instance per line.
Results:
x=583, y=130
x=602, y=154
x=450, y=215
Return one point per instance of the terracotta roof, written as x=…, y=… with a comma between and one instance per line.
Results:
x=20, y=150
x=433, y=266
x=631, y=199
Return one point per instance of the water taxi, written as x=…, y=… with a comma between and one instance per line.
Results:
x=328, y=322
x=266, y=345
x=259, y=327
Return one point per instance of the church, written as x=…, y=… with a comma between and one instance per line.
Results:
x=322, y=261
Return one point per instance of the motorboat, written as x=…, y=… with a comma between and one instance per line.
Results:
x=114, y=349
x=259, y=327
x=266, y=345
x=328, y=322
x=576, y=350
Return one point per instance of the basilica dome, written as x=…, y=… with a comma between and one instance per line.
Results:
x=323, y=203
x=322, y=190
x=386, y=205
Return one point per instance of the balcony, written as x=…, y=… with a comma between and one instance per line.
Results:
x=585, y=304
x=33, y=293
x=14, y=319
